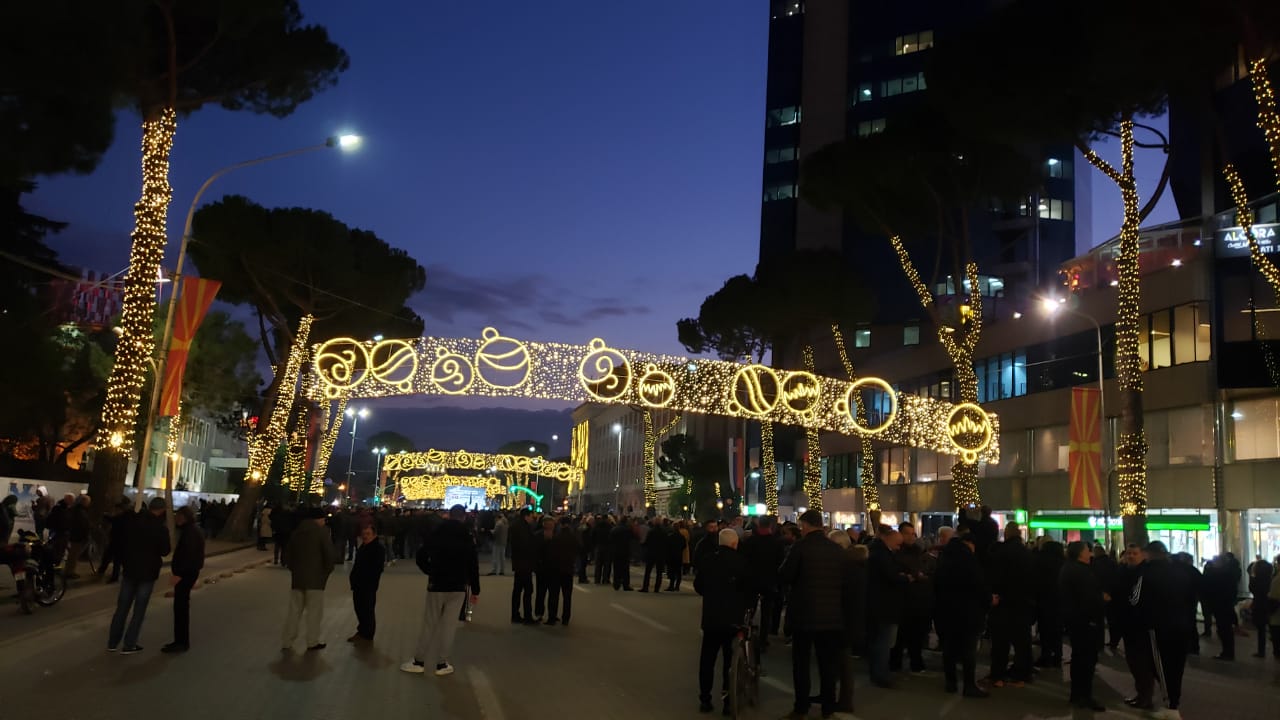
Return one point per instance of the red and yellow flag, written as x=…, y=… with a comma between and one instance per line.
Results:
x=197, y=296
x=1084, y=463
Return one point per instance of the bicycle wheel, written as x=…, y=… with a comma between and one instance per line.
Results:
x=50, y=589
x=738, y=670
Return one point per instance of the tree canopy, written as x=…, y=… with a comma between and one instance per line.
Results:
x=392, y=441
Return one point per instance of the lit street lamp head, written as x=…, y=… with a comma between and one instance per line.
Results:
x=617, y=428
x=1050, y=305
x=344, y=142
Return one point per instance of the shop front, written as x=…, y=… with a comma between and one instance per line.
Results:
x=1191, y=531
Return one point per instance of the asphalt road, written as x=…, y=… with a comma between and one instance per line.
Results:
x=626, y=655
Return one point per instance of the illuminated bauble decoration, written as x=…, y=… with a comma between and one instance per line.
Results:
x=801, y=392
x=341, y=364
x=969, y=429
x=604, y=372
x=394, y=362
x=850, y=404
x=502, y=362
x=657, y=388
x=755, y=389
x=452, y=373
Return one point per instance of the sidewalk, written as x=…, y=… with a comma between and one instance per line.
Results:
x=86, y=599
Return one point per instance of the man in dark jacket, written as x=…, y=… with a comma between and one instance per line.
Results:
x=764, y=552
x=310, y=556
x=1011, y=581
x=545, y=570
x=147, y=544
x=117, y=538
x=705, y=544
x=603, y=557
x=620, y=539
x=1083, y=605
x=565, y=549
x=1048, y=561
x=917, y=609
x=963, y=601
x=817, y=572
x=1223, y=589
x=1185, y=564
x=188, y=560
x=1158, y=598
x=455, y=569
x=724, y=582
x=655, y=550
x=523, y=559
x=366, y=574
x=886, y=594
x=674, y=550
x=1260, y=573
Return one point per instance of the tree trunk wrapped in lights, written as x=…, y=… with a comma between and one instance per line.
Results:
x=768, y=467
x=959, y=344
x=651, y=438
x=332, y=427
x=1131, y=446
x=867, y=466
x=813, y=450
x=137, y=331
x=1268, y=115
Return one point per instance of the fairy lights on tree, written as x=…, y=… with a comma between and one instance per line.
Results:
x=652, y=435
x=867, y=466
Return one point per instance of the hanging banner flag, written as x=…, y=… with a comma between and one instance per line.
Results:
x=197, y=296
x=1084, y=463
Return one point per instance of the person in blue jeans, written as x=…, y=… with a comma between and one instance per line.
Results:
x=146, y=544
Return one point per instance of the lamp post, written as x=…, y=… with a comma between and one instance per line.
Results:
x=1052, y=306
x=344, y=142
x=355, y=416
x=380, y=453
x=617, y=479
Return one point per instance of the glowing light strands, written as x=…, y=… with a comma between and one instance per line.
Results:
x=1244, y=218
x=867, y=466
x=1131, y=446
x=769, y=467
x=295, y=460
x=262, y=448
x=443, y=460
x=651, y=438
x=1268, y=116
x=330, y=439
x=959, y=343
x=137, y=338
x=498, y=366
x=432, y=487
x=813, y=450
x=171, y=448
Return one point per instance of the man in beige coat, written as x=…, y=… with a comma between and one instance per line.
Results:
x=311, y=556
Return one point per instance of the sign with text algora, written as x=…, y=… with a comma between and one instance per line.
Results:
x=1232, y=241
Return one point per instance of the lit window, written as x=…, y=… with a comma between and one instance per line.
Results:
x=781, y=191
x=863, y=94
x=783, y=116
x=862, y=338
x=1051, y=209
x=1058, y=168
x=779, y=155
x=915, y=42
x=911, y=335
x=889, y=88
x=867, y=128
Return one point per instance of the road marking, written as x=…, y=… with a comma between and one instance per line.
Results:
x=948, y=706
x=580, y=589
x=489, y=706
x=777, y=684
x=642, y=618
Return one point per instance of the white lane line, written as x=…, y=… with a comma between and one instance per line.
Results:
x=580, y=589
x=777, y=684
x=642, y=618
x=490, y=708
x=948, y=706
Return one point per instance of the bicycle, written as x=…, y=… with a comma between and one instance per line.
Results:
x=744, y=667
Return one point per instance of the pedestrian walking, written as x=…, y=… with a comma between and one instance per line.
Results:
x=1083, y=607
x=499, y=545
x=366, y=573
x=724, y=582
x=147, y=542
x=188, y=560
x=523, y=560
x=1161, y=615
x=310, y=557
x=454, y=568
x=817, y=572
x=265, y=531
x=655, y=550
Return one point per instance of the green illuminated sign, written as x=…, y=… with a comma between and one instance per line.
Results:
x=1187, y=523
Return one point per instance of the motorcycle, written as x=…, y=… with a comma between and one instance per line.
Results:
x=38, y=576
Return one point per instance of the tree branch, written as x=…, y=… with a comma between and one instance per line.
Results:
x=1095, y=160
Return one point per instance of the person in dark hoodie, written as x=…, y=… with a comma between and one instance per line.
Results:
x=1082, y=607
x=366, y=574
x=455, y=569
x=1010, y=564
x=520, y=537
x=147, y=544
x=620, y=539
x=1048, y=562
x=963, y=601
x=565, y=550
x=188, y=560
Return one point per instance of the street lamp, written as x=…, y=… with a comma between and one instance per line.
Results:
x=355, y=416
x=344, y=142
x=380, y=453
x=1052, y=306
x=617, y=481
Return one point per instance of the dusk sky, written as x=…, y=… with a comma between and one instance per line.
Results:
x=564, y=170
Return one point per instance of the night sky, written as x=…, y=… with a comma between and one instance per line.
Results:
x=564, y=170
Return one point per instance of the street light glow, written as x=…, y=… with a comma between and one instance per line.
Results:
x=1050, y=305
x=346, y=142
x=617, y=428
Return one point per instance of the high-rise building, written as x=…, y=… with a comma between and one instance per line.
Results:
x=840, y=69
